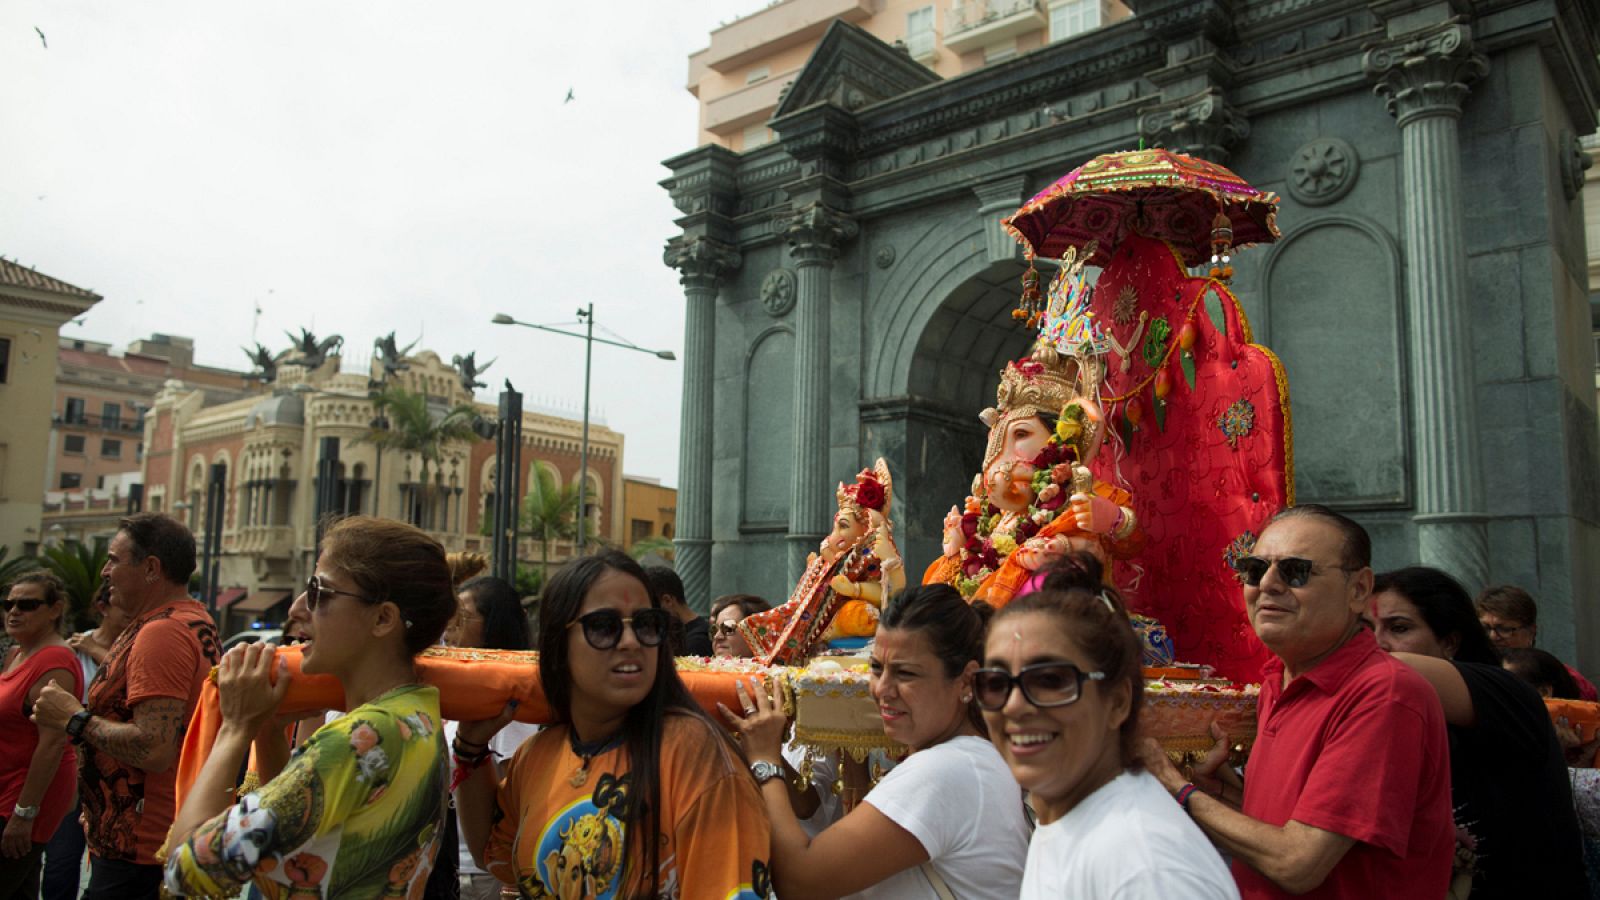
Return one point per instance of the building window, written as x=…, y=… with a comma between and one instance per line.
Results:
x=71, y=480
x=919, y=33
x=111, y=415
x=111, y=449
x=757, y=135
x=761, y=73
x=640, y=530
x=72, y=443
x=999, y=53
x=5, y=359
x=1074, y=17
x=74, y=414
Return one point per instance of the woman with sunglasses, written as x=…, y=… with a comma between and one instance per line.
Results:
x=948, y=820
x=727, y=612
x=1517, y=833
x=359, y=809
x=1061, y=691
x=38, y=769
x=634, y=791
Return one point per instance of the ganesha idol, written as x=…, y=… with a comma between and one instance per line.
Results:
x=1035, y=499
x=845, y=582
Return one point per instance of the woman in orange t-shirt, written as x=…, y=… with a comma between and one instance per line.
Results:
x=634, y=792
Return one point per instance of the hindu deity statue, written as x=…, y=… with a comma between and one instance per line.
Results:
x=1035, y=498
x=845, y=582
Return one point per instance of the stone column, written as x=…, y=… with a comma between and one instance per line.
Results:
x=1423, y=77
x=702, y=264
x=814, y=233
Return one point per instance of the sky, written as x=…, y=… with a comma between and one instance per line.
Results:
x=362, y=167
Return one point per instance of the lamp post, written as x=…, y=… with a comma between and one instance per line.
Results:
x=586, y=315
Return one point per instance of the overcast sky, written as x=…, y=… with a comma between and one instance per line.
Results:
x=358, y=167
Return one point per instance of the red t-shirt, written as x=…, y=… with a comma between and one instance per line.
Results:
x=1355, y=746
x=163, y=654
x=22, y=738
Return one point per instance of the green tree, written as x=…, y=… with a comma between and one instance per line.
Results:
x=549, y=513
x=415, y=428
x=79, y=568
x=657, y=544
x=11, y=568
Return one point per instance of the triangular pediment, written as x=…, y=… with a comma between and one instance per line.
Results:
x=851, y=69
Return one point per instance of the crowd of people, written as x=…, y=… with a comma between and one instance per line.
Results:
x=1403, y=747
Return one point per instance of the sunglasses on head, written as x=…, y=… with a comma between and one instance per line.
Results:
x=1294, y=570
x=27, y=604
x=1044, y=685
x=603, y=627
x=316, y=591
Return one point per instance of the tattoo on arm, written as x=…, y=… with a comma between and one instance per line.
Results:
x=149, y=742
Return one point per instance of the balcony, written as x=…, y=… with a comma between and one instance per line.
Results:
x=104, y=423
x=748, y=105
x=975, y=24
x=778, y=27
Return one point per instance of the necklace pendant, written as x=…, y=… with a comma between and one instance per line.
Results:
x=580, y=776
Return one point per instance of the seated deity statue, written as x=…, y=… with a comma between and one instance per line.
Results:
x=845, y=582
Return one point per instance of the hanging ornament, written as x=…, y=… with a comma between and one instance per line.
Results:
x=1221, y=247
x=1028, y=307
x=1186, y=339
x=1155, y=342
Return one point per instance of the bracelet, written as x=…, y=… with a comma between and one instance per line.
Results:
x=457, y=749
x=1184, y=793
x=464, y=767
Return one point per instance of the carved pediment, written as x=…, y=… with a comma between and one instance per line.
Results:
x=851, y=69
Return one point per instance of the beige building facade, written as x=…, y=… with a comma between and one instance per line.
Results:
x=33, y=307
x=266, y=451
x=750, y=62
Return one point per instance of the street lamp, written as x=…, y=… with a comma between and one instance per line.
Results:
x=586, y=315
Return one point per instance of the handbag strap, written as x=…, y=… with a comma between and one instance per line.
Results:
x=938, y=882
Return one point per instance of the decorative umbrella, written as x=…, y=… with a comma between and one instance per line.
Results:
x=1199, y=207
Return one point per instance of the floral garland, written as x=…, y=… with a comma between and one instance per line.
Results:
x=989, y=537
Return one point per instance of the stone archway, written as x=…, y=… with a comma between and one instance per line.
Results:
x=929, y=430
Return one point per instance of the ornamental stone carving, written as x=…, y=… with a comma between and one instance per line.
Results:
x=885, y=256
x=1426, y=72
x=700, y=261
x=1202, y=125
x=1574, y=162
x=777, y=292
x=1323, y=171
x=814, y=232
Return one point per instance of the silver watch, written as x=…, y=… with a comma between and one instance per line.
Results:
x=765, y=771
x=25, y=812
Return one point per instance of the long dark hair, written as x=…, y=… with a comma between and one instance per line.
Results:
x=1446, y=608
x=953, y=627
x=1543, y=671
x=641, y=730
x=1097, y=620
x=505, y=625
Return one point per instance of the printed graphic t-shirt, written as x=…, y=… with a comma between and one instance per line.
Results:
x=564, y=840
x=357, y=812
x=164, y=654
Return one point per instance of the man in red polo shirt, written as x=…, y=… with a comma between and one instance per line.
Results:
x=1347, y=791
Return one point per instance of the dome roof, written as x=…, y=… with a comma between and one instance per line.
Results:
x=279, y=409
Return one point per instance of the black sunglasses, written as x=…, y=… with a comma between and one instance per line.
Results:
x=1044, y=685
x=1294, y=570
x=27, y=604
x=316, y=591
x=603, y=627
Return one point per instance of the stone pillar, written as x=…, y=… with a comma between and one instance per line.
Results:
x=814, y=233
x=1423, y=77
x=702, y=264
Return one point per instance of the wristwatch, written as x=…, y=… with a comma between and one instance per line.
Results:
x=765, y=771
x=76, y=724
x=25, y=812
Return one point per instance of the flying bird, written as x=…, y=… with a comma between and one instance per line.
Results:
x=41, y=37
x=570, y=97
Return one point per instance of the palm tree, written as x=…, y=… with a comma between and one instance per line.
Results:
x=79, y=568
x=549, y=514
x=414, y=428
x=658, y=544
x=11, y=568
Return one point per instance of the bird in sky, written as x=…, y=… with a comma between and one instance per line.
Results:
x=570, y=97
x=41, y=37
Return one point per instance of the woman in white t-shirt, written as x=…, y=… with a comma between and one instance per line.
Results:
x=949, y=820
x=1061, y=691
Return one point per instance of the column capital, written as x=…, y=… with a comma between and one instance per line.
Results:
x=1202, y=124
x=814, y=231
x=1425, y=72
x=700, y=261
